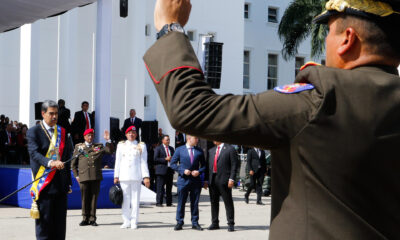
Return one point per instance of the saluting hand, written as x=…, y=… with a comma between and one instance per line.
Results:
x=106, y=135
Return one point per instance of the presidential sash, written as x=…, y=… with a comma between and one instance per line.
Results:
x=55, y=151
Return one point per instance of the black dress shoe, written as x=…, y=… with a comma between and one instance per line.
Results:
x=93, y=223
x=170, y=205
x=159, y=205
x=213, y=227
x=84, y=223
x=260, y=203
x=231, y=228
x=246, y=199
x=178, y=226
x=197, y=227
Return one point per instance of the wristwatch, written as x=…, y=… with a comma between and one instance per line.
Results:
x=173, y=27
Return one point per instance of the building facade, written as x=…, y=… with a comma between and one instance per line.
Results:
x=62, y=56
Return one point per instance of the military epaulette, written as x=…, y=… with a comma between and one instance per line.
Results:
x=142, y=143
x=121, y=142
x=311, y=63
x=80, y=145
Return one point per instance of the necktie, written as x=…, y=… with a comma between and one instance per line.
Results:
x=215, y=160
x=87, y=121
x=51, y=131
x=131, y=120
x=166, y=150
x=191, y=155
x=9, y=138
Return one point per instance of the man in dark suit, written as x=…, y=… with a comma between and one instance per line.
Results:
x=133, y=121
x=8, y=141
x=164, y=173
x=188, y=161
x=179, y=139
x=257, y=167
x=49, y=147
x=221, y=175
x=82, y=120
x=64, y=115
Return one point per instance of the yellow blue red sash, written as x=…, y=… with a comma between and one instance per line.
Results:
x=57, y=143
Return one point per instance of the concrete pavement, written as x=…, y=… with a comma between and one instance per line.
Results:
x=252, y=222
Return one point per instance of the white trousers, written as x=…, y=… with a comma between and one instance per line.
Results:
x=130, y=204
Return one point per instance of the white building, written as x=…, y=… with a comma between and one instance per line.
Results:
x=62, y=56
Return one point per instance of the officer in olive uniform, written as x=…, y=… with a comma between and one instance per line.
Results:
x=328, y=132
x=88, y=173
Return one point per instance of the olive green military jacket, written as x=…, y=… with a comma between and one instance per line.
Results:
x=335, y=165
x=88, y=168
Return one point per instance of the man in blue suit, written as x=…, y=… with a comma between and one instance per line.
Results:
x=191, y=165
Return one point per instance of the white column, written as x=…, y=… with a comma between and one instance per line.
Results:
x=25, y=74
x=103, y=68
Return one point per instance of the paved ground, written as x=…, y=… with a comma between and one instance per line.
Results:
x=252, y=222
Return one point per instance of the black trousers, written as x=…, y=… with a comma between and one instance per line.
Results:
x=161, y=181
x=53, y=217
x=256, y=182
x=217, y=190
x=89, y=192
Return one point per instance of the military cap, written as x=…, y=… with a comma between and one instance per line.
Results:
x=131, y=128
x=87, y=131
x=375, y=10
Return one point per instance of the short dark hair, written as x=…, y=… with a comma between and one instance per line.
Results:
x=48, y=103
x=61, y=102
x=84, y=102
x=165, y=135
x=378, y=41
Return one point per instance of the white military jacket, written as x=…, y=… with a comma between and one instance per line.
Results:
x=131, y=161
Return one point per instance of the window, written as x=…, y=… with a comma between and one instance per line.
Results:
x=191, y=35
x=146, y=101
x=323, y=62
x=272, y=70
x=246, y=69
x=298, y=64
x=246, y=11
x=272, y=15
x=147, y=30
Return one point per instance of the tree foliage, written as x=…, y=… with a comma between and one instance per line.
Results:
x=296, y=25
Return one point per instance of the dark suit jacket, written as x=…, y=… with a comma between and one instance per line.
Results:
x=4, y=138
x=161, y=165
x=181, y=161
x=38, y=144
x=63, y=118
x=255, y=163
x=226, y=164
x=79, y=124
x=137, y=123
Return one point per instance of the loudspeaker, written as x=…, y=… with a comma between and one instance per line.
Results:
x=38, y=111
x=213, y=63
x=115, y=134
x=123, y=8
x=150, y=132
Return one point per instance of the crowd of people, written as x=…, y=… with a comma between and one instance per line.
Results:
x=50, y=146
x=13, y=142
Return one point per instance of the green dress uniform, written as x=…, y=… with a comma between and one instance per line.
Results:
x=89, y=170
x=326, y=141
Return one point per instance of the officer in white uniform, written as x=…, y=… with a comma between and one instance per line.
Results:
x=130, y=169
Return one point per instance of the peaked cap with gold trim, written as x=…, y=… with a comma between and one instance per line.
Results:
x=375, y=10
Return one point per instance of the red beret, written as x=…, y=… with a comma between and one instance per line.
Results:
x=131, y=128
x=87, y=131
